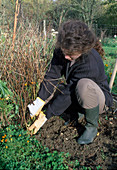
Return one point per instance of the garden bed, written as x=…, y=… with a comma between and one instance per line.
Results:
x=101, y=153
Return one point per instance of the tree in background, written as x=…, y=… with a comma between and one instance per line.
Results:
x=86, y=10
x=110, y=15
x=108, y=21
x=33, y=12
x=58, y=11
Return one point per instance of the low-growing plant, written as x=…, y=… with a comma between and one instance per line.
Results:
x=18, y=150
x=103, y=154
x=8, y=107
x=98, y=167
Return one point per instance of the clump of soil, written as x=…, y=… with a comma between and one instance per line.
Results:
x=103, y=151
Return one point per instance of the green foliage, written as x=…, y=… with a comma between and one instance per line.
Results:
x=18, y=150
x=110, y=15
x=110, y=52
x=110, y=42
x=109, y=45
x=86, y=10
x=8, y=108
x=4, y=91
x=98, y=167
x=54, y=12
x=109, y=66
x=58, y=12
x=7, y=8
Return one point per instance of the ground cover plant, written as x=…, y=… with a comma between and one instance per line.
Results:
x=54, y=146
x=8, y=106
x=21, y=151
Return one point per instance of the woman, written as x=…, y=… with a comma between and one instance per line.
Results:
x=86, y=89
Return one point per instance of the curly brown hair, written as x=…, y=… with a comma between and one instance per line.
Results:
x=75, y=37
x=99, y=49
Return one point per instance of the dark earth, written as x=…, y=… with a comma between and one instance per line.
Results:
x=102, y=152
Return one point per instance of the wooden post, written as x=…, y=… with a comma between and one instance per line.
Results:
x=113, y=76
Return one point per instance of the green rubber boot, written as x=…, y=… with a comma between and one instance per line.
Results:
x=92, y=116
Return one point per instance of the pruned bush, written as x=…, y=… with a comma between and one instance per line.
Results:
x=23, y=67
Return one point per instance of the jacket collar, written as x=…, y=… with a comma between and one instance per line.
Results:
x=78, y=62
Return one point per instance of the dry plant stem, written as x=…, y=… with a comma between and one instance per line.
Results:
x=25, y=66
x=6, y=119
x=17, y=7
x=1, y=118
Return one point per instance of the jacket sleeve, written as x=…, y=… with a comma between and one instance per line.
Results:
x=64, y=99
x=53, y=75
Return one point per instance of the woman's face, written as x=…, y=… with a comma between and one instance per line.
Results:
x=72, y=57
x=69, y=56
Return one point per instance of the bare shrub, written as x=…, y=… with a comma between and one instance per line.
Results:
x=24, y=67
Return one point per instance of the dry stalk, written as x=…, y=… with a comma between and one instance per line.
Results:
x=23, y=69
x=17, y=8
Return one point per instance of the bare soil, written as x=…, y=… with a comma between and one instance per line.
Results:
x=103, y=151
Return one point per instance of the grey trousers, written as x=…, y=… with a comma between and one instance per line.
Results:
x=89, y=94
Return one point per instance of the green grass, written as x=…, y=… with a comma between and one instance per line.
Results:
x=110, y=51
x=110, y=48
x=109, y=42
